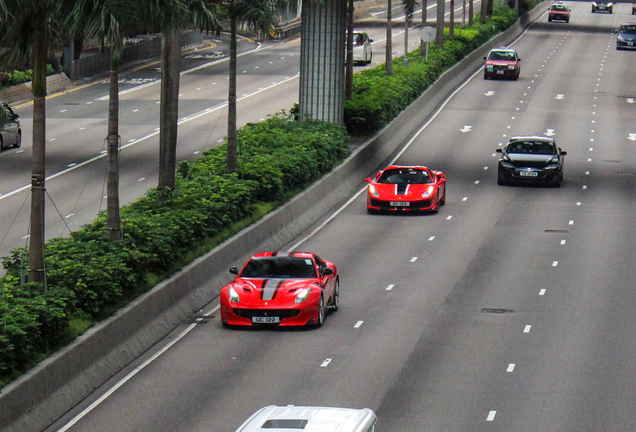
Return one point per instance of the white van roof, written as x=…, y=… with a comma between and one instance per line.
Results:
x=305, y=418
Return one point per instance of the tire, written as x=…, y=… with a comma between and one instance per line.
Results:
x=443, y=200
x=320, y=319
x=549, y=19
x=335, y=302
x=1, y=144
x=370, y=57
x=18, y=140
x=485, y=76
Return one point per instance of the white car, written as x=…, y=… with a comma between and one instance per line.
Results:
x=362, y=48
x=298, y=418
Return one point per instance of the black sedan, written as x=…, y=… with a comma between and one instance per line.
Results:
x=602, y=6
x=531, y=159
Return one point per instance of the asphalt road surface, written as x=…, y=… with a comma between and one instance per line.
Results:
x=509, y=310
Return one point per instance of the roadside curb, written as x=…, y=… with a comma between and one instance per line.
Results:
x=43, y=395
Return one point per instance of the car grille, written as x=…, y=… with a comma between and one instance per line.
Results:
x=384, y=205
x=281, y=313
x=527, y=164
x=500, y=67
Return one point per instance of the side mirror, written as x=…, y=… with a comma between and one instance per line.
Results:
x=368, y=180
x=234, y=270
x=564, y=153
x=499, y=150
x=326, y=272
x=16, y=117
x=370, y=40
x=518, y=59
x=485, y=58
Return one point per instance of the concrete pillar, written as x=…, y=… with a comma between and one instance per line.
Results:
x=322, y=60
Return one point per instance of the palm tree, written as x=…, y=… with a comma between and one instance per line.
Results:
x=29, y=27
x=424, y=19
x=409, y=9
x=349, y=60
x=439, y=34
x=257, y=15
x=388, y=65
x=170, y=17
x=451, y=25
x=104, y=18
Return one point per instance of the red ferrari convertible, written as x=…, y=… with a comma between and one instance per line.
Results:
x=282, y=289
x=406, y=188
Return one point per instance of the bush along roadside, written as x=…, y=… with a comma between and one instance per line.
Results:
x=16, y=77
x=88, y=277
x=379, y=98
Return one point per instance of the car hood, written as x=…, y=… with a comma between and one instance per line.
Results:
x=401, y=191
x=271, y=289
x=524, y=157
x=627, y=36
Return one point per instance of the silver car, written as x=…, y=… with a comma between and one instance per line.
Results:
x=10, y=132
x=297, y=418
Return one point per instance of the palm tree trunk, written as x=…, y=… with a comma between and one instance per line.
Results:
x=451, y=26
x=38, y=192
x=424, y=24
x=113, y=222
x=483, y=11
x=470, y=12
x=169, y=112
x=439, y=34
x=349, y=67
x=388, y=65
x=405, y=60
x=232, y=149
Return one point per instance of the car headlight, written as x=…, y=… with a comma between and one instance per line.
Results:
x=552, y=166
x=373, y=192
x=234, y=297
x=621, y=39
x=511, y=66
x=428, y=192
x=302, y=295
x=506, y=164
x=594, y=4
x=610, y=4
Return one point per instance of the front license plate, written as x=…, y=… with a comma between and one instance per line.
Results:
x=265, y=320
x=528, y=173
x=500, y=72
x=630, y=43
x=400, y=203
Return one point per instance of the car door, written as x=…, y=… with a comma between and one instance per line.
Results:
x=327, y=281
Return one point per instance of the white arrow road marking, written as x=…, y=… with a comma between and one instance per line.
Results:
x=630, y=100
x=559, y=96
x=632, y=137
x=467, y=128
x=490, y=93
x=549, y=132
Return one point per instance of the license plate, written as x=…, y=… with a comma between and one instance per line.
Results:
x=400, y=203
x=265, y=320
x=528, y=173
x=630, y=43
x=500, y=72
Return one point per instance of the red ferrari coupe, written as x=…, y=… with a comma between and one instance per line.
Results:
x=406, y=188
x=282, y=289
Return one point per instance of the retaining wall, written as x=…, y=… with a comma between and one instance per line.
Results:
x=40, y=397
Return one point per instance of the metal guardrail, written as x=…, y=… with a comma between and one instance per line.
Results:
x=287, y=28
x=94, y=65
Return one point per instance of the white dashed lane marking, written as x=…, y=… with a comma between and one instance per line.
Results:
x=413, y=259
x=325, y=363
x=511, y=368
x=555, y=263
x=563, y=242
x=390, y=287
x=491, y=415
x=542, y=292
x=527, y=329
x=431, y=238
x=358, y=324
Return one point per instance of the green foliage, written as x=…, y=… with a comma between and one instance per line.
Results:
x=19, y=77
x=89, y=277
x=378, y=98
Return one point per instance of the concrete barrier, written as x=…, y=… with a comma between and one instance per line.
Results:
x=56, y=385
x=23, y=91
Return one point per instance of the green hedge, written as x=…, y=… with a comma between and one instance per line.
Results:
x=379, y=98
x=16, y=77
x=88, y=276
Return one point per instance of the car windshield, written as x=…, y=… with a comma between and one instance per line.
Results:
x=280, y=267
x=628, y=29
x=405, y=176
x=358, y=39
x=559, y=8
x=501, y=55
x=531, y=147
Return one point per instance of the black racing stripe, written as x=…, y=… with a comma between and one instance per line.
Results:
x=263, y=287
x=280, y=284
x=401, y=188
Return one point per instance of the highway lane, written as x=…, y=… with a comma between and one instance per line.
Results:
x=508, y=310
